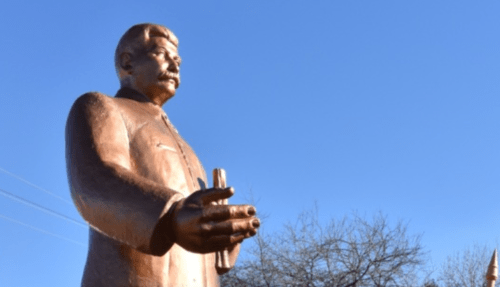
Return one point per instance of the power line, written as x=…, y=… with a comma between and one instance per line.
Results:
x=39, y=207
x=41, y=230
x=34, y=185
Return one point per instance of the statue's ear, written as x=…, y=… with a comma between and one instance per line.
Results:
x=126, y=62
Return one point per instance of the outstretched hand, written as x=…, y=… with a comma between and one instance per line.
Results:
x=202, y=226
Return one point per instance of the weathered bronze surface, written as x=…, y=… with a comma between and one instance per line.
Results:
x=140, y=186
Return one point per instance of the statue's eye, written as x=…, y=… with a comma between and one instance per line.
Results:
x=158, y=52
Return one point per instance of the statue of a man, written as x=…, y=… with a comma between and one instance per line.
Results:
x=139, y=185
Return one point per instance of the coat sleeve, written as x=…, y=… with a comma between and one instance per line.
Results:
x=112, y=198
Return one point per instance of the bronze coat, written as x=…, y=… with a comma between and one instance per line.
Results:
x=126, y=166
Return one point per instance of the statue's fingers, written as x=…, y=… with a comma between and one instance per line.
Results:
x=225, y=212
x=215, y=194
x=219, y=242
x=232, y=227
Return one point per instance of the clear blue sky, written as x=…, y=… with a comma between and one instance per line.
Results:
x=388, y=106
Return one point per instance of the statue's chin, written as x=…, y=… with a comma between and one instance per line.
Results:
x=160, y=94
x=169, y=97
x=165, y=96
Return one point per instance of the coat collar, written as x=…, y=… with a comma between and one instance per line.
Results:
x=131, y=94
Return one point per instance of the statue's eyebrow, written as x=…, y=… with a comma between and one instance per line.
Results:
x=156, y=46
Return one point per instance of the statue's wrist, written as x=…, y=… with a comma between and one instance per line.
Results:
x=171, y=220
x=164, y=234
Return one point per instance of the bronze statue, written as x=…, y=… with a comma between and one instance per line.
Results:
x=140, y=186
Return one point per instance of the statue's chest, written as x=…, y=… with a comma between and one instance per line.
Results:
x=159, y=153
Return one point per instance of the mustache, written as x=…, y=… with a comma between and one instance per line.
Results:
x=166, y=75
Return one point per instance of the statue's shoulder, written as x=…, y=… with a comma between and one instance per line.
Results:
x=94, y=102
x=94, y=99
x=93, y=107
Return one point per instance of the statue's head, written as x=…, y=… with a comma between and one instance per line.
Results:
x=146, y=60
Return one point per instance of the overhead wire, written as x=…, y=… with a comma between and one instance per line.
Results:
x=34, y=185
x=41, y=230
x=41, y=208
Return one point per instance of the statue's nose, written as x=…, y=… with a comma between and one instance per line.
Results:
x=172, y=66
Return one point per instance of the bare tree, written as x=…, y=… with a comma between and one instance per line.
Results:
x=352, y=252
x=466, y=268
x=430, y=283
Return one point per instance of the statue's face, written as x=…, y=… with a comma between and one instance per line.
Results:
x=156, y=70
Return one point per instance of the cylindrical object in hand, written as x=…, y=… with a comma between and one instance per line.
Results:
x=222, y=257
